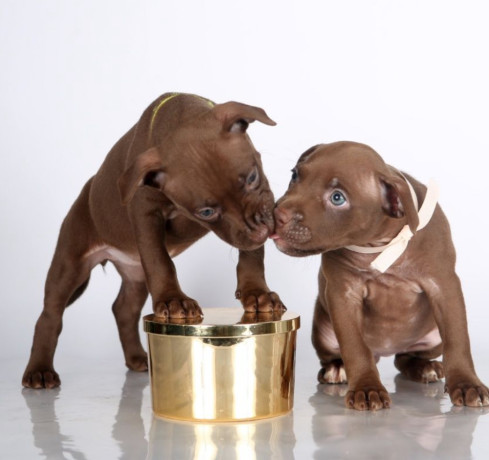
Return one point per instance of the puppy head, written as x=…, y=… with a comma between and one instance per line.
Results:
x=208, y=168
x=341, y=194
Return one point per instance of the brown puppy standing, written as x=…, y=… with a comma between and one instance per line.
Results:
x=186, y=168
x=343, y=194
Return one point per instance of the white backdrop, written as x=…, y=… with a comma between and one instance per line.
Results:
x=409, y=78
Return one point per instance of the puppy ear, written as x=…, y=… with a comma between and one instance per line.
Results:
x=146, y=169
x=397, y=201
x=235, y=117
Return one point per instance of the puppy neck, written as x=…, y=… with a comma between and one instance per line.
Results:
x=390, y=252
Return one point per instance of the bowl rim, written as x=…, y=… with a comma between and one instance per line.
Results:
x=224, y=322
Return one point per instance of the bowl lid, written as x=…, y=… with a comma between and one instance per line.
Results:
x=224, y=322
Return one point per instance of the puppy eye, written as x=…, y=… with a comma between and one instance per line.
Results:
x=207, y=213
x=253, y=178
x=295, y=176
x=337, y=198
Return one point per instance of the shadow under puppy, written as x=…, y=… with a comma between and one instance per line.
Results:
x=186, y=168
x=345, y=203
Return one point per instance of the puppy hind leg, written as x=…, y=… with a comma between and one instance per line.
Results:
x=127, y=312
x=420, y=366
x=65, y=277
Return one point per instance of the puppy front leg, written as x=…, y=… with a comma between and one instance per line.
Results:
x=252, y=288
x=462, y=383
x=147, y=211
x=365, y=390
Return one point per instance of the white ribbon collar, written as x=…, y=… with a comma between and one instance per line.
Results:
x=393, y=250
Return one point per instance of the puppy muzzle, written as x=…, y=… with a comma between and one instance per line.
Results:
x=289, y=227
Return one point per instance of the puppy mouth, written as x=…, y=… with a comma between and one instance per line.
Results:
x=260, y=234
x=291, y=250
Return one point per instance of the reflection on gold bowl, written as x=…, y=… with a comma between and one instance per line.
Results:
x=229, y=367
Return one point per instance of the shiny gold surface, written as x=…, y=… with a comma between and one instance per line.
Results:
x=222, y=369
x=224, y=322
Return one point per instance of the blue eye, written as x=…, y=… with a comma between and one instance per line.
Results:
x=206, y=213
x=337, y=198
x=295, y=175
x=253, y=179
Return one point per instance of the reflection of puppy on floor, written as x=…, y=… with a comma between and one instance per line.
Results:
x=416, y=425
x=46, y=428
x=387, y=283
x=128, y=428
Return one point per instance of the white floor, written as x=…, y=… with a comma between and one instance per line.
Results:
x=103, y=411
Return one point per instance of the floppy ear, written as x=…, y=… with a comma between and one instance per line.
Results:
x=146, y=169
x=397, y=200
x=235, y=117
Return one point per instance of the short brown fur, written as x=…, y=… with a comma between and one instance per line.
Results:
x=184, y=155
x=414, y=310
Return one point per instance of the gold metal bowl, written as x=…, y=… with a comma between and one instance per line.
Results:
x=232, y=366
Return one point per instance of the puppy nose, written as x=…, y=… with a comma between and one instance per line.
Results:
x=282, y=216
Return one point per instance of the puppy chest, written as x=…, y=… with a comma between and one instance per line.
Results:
x=395, y=316
x=392, y=296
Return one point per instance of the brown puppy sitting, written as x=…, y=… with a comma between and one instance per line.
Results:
x=186, y=168
x=379, y=293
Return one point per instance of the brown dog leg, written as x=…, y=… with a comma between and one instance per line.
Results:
x=420, y=366
x=461, y=381
x=40, y=371
x=252, y=288
x=327, y=348
x=67, y=277
x=127, y=311
x=338, y=329
x=147, y=212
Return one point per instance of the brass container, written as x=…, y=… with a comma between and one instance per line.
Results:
x=231, y=366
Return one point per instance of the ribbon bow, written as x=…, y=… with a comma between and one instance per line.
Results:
x=393, y=250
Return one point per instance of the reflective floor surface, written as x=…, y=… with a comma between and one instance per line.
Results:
x=104, y=412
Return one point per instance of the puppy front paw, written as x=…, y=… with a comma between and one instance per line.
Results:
x=177, y=307
x=368, y=397
x=467, y=393
x=258, y=300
